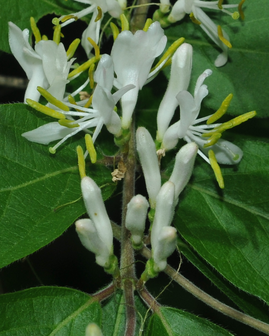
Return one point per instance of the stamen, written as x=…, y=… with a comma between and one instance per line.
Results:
x=57, y=34
x=220, y=4
x=89, y=102
x=235, y=15
x=67, y=123
x=216, y=168
x=194, y=20
x=68, y=17
x=72, y=48
x=235, y=122
x=71, y=100
x=222, y=38
x=213, y=140
x=82, y=67
x=147, y=24
x=91, y=77
x=169, y=52
x=124, y=22
x=90, y=148
x=45, y=38
x=45, y=109
x=55, y=21
x=99, y=15
x=240, y=10
x=96, y=48
x=221, y=111
x=35, y=30
x=115, y=30
x=51, y=99
x=81, y=162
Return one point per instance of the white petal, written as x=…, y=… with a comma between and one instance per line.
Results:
x=226, y=152
x=92, y=31
x=170, y=138
x=178, y=11
x=114, y=124
x=47, y=133
x=103, y=102
x=104, y=74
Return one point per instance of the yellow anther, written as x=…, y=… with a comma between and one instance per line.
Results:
x=216, y=168
x=99, y=15
x=67, y=123
x=57, y=34
x=235, y=122
x=115, y=30
x=51, y=99
x=147, y=24
x=72, y=48
x=35, y=30
x=124, y=22
x=91, y=73
x=221, y=111
x=169, y=52
x=45, y=38
x=83, y=67
x=222, y=38
x=68, y=17
x=89, y=102
x=194, y=20
x=220, y=4
x=81, y=162
x=71, y=100
x=240, y=10
x=90, y=148
x=45, y=109
x=96, y=48
x=235, y=15
x=213, y=140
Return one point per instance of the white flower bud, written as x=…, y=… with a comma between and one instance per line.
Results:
x=179, y=80
x=96, y=210
x=166, y=245
x=136, y=218
x=93, y=330
x=183, y=167
x=147, y=154
x=164, y=211
x=90, y=239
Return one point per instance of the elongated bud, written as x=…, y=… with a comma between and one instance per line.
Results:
x=179, y=81
x=136, y=218
x=93, y=330
x=164, y=211
x=90, y=239
x=183, y=167
x=149, y=162
x=96, y=210
x=166, y=245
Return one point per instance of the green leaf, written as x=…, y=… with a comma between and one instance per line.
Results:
x=20, y=14
x=230, y=228
x=170, y=321
x=251, y=305
x=246, y=73
x=40, y=194
x=114, y=315
x=47, y=311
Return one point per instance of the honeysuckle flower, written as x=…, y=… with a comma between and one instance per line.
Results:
x=102, y=112
x=133, y=56
x=46, y=66
x=165, y=205
x=194, y=8
x=206, y=135
x=179, y=80
x=136, y=218
x=149, y=161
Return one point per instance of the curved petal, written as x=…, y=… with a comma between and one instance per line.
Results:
x=178, y=11
x=187, y=106
x=104, y=74
x=170, y=138
x=103, y=102
x=114, y=124
x=226, y=152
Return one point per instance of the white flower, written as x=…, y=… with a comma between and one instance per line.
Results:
x=193, y=7
x=206, y=136
x=179, y=80
x=45, y=66
x=102, y=112
x=133, y=56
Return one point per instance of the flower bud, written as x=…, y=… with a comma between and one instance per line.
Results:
x=93, y=330
x=183, y=167
x=166, y=245
x=136, y=218
x=149, y=162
